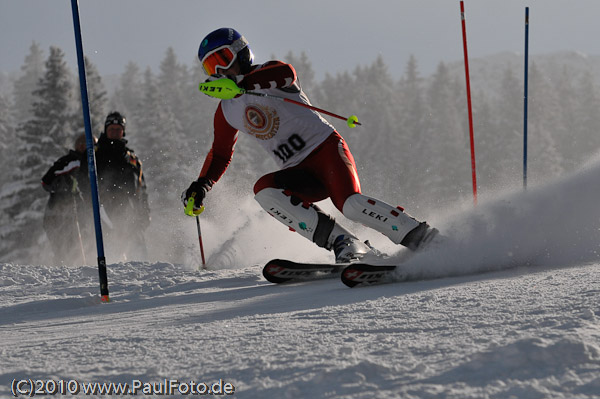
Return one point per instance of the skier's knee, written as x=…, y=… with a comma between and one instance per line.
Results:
x=264, y=182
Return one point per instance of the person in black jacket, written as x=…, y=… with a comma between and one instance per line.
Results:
x=68, y=219
x=122, y=190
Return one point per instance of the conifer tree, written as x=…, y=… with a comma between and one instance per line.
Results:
x=375, y=87
x=127, y=96
x=412, y=106
x=587, y=116
x=171, y=77
x=151, y=141
x=304, y=71
x=505, y=143
x=544, y=158
x=41, y=140
x=32, y=71
x=490, y=175
x=7, y=140
x=411, y=116
x=97, y=99
x=155, y=139
x=445, y=165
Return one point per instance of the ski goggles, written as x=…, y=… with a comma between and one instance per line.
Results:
x=222, y=57
x=115, y=120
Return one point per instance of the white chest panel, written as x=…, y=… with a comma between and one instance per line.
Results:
x=289, y=132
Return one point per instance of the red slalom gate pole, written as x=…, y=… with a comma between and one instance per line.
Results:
x=469, y=107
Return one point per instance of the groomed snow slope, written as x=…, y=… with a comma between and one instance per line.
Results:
x=508, y=307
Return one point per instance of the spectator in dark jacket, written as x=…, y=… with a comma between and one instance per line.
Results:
x=122, y=190
x=68, y=219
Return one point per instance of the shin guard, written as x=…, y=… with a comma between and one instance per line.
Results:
x=306, y=219
x=378, y=215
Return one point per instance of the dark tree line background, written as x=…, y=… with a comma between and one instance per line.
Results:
x=413, y=148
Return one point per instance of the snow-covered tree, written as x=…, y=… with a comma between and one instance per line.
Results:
x=171, y=78
x=7, y=140
x=96, y=98
x=410, y=116
x=412, y=104
x=32, y=71
x=445, y=156
x=41, y=140
x=504, y=143
x=127, y=96
x=376, y=89
x=159, y=143
x=587, y=117
x=544, y=158
x=304, y=71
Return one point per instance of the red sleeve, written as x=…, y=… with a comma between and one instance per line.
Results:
x=219, y=156
x=271, y=75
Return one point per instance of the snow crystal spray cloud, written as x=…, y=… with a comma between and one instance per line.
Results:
x=555, y=224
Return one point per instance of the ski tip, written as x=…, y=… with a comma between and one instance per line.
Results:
x=272, y=268
x=349, y=277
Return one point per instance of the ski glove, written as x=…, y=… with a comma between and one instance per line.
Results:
x=197, y=191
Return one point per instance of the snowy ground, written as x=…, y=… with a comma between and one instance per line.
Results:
x=509, y=307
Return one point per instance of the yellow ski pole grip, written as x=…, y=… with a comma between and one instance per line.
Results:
x=189, y=208
x=224, y=89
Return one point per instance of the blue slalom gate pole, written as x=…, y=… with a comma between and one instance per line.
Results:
x=525, y=97
x=90, y=154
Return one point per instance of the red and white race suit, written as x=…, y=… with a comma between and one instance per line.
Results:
x=315, y=161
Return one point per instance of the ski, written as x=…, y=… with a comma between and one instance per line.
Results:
x=365, y=274
x=283, y=271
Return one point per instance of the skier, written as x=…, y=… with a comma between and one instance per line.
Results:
x=68, y=208
x=122, y=189
x=315, y=160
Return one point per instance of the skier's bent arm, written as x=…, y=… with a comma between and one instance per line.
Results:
x=215, y=163
x=270, y=75
x=219, y=157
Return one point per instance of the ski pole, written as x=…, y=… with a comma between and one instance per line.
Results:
x=226, y=89
x=75, y=191
x=200, y=241
x=189, y=210
x=352, y=121
x=79, y=230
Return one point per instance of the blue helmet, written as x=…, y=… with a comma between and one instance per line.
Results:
x=220, y=48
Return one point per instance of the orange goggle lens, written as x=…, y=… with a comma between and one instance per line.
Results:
x=220, y=58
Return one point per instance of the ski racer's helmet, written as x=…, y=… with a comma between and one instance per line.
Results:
x=220, y=48
x=115, y=118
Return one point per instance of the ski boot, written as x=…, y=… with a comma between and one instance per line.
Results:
x=349, y=249
x=420, y=237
